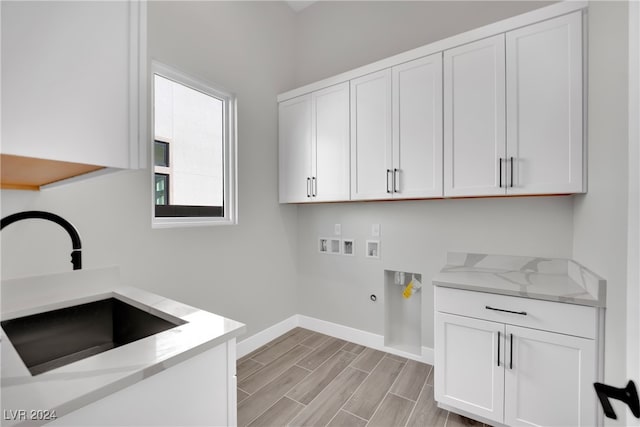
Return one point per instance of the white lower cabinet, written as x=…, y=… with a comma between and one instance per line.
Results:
x=500, y=371
x=470, y=375
x=548, y=379
x=199, y=391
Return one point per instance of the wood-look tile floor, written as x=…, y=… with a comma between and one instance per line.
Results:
x=305, y=378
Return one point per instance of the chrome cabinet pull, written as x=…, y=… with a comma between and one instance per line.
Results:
x=396, y=180
x=500, y=171
x=511, y=159
x=498, y=348
x=308, y=191
x=388, y=172
x=314, y=186
x=511, y=351
x=522, y=313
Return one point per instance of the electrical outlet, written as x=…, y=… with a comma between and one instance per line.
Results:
x=375, y=230
x=337, y=229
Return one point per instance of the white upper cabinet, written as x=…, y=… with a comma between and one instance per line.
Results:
x=295, y=149
x=474, y=119
x=544, y=107
x=495, y=111
x=520, y=131
x=417, y=128
x=371, y=167
x=71, y=74
x=330, y=130
x=314, y=146
x=396, y=132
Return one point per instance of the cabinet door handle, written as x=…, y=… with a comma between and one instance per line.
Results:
x=511, y=159
x=396, y=180
x=314, y=186
x=511, y=351
x=498, y=348
x=388, y=172
x=308, y=190
x=521, y=313
x=500, y=172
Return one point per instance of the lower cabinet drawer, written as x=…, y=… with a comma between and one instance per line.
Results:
x=570, y=319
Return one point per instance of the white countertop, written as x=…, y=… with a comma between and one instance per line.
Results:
x=551, y=279
x=70, y=387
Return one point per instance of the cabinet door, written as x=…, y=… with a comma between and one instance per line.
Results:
x=294, y=120
x=544, y=107
x=469, y=365
x=474, y=118
x=70, y=80
x=549, y=379
x=330, y=125
x=417, y=128
x=371, y=176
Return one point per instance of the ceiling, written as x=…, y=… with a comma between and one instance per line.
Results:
x=298, y=5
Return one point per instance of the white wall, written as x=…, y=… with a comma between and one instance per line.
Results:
x=336, y=36
x=600, y=216
x=246, y=272
x=415, y=236
x=633, y=267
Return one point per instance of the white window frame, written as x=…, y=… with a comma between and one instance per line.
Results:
x=230, y=143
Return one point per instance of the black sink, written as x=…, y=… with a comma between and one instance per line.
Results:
x=46, y=341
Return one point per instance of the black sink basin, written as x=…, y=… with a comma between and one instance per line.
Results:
x=46, y=341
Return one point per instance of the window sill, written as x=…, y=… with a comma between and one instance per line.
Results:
x=184, y=222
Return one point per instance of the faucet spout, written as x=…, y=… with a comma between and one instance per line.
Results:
x=76, y=254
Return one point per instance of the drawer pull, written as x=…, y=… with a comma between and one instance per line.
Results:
x=522, y=313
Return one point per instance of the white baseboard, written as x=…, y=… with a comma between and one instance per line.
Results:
x=347, y=333
x=255, y=341
x=367, y=339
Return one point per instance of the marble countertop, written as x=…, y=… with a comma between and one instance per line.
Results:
x=73, y=386
x=552, y=279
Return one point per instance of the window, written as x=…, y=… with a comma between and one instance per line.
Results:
x=194, y=151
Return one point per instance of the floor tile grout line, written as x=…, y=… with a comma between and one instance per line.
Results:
x=426, y=380
x=265, y=385
x=351, y=413
x=324, y=339
x=253, y=360
x=244, y=391
x=326, y=360
x=265, y=365
x=283, y=395
x=360, y=385
x=404, y=362
x=332, y=418
x=348, y=366
x=389, y=391
x=402, y=397
x=291, y=398
x=323, y=363
x=271, y=346
x=358, y=369
x=302, y=367
x=307, y=346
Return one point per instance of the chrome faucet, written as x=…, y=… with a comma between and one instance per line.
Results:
x=76, y=254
